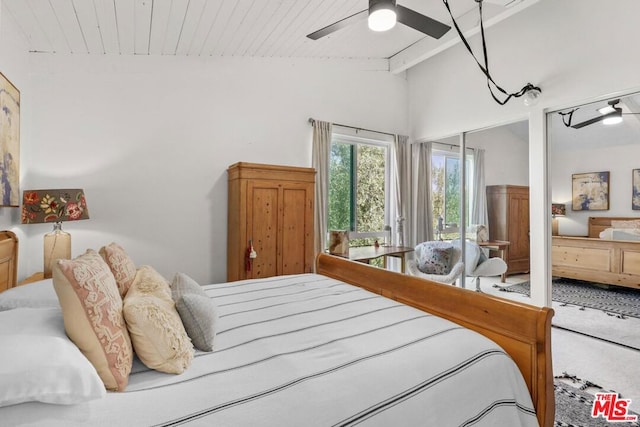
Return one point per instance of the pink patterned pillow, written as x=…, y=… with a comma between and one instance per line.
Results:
x=93, y=316
x=121, y=265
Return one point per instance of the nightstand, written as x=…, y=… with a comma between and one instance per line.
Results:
x=33, y=278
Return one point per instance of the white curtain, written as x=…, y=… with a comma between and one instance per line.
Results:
x=320, y=161
x=400, y=145
x=423, y=218
x=479, y=209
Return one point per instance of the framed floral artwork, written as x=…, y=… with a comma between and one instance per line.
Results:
x=590, y=191
x=9, y=143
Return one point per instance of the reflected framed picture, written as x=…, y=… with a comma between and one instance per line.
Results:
x=590, y=191
x=635, y=190
x=9, y=143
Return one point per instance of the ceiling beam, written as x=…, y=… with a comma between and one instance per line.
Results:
x=469, y=25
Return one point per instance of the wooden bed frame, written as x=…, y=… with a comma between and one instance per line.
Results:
x=522, y=330
x=8, y=260
x=613, y=262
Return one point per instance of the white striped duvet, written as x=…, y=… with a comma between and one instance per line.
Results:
x=307, y=350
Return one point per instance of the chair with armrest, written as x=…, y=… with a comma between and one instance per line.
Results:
x=437, y=261
x=477, y=265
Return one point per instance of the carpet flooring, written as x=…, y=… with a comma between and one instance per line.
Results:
x=573, y=407
x=611, y=315
x=613, y=300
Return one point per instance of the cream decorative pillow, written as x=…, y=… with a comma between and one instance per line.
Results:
x=198, y=312
x=121, y=265
x=93, y=319
x=625, y=223
x=157, y=333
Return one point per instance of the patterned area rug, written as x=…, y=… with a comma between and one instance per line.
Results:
x=573, y=406
x=613, y=300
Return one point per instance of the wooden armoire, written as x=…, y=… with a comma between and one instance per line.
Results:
x=508, y=210
x=271, y=208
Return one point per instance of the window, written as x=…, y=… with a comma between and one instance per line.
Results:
x=358, y=186
x=445, y=186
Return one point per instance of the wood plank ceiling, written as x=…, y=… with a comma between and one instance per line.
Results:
x=233, y=28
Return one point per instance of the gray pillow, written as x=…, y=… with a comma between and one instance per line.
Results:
x=183, y=284
x=197, y=311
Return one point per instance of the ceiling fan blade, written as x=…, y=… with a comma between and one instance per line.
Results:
x=424, y=24
x=338, y=25
x=597, y=119
x=587, y=122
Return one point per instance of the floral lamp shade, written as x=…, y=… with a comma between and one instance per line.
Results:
x=41, y=206
x=558, y=209
x=55, y=206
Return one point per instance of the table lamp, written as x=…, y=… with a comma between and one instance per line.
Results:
x=557, y=209
x=55, y=206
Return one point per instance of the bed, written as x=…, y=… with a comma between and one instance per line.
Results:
x=608, y=255
x=348, y=345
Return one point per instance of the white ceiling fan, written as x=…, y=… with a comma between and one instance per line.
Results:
x=382, y=16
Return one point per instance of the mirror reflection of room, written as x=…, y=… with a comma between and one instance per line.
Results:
x=491, y=188
x=595, y=181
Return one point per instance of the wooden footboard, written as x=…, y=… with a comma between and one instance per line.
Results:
x=522, y=330
x=614, y=262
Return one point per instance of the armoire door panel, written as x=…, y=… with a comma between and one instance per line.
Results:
x=293, y=230
x=508, y=209
x=262, y=228
x=518, y=231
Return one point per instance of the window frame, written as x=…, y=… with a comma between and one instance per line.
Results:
x=354, y=140
x=453, y=152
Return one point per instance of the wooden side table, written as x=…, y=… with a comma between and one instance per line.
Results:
x=502, y=247
x=366, y=253
x=35, y=277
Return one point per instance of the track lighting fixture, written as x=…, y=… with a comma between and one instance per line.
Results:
x=530, y=92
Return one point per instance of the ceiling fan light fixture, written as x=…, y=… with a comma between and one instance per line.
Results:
x=612, y=120
x=531, y=95
x=614, y=117
x=382, y=15
x=606, y=110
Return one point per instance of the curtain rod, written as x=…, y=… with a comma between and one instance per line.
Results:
x=452, y=145
x=312, y=120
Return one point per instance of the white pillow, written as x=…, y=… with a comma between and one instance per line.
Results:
x=620, y=234
x=606, y=233
x=625, y=234
x=36, y=295
x=39, y=363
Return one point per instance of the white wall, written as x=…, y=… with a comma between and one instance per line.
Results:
x=565, y=47
x=506, y=155
x=150, y=139
x=14, y=64
x=618, y=160
x=575, y=50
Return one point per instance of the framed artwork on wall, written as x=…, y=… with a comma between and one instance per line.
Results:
x=635, y=190
x=590, y=191
x=9, y=143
